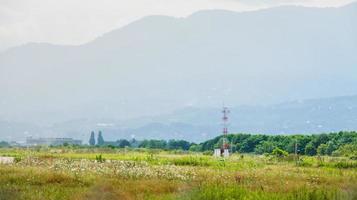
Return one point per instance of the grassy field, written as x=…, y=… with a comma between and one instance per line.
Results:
x=100, y=173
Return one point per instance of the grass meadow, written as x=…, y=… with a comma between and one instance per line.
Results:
x=105, y=173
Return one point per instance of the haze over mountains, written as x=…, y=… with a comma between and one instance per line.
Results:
x=161, y=64
x=198, y=124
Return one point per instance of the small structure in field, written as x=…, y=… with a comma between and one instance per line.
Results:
x=217, y=153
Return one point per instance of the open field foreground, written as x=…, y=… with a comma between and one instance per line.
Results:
x=104, y=173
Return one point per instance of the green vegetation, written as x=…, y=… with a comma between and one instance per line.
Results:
x=320, y=144
x=4, y=144
x=335, y=144
x=100, y=140
x=74, y=172
x=261, y=167
x=162, y=144
x=92, y=139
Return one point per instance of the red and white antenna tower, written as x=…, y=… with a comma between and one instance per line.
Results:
x=225, y=112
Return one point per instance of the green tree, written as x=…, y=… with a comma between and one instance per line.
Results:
x=322, y=149
x=302, y=141
x=153, y=144
x=100, y=140
x=306, y=144
x=124, y=143
x=310, y=149
x=195, y=147
x=347, y=150
x=4, y=144
x=331, y=147
x=219, y=143
x=248, y=145
x=265, y=147
x=92, y=139
x=178, y=144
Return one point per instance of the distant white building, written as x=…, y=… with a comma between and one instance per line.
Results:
x=221, y=152
x=51, y=141
x=217, y=153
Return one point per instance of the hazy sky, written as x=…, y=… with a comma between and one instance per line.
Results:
x=79, y=21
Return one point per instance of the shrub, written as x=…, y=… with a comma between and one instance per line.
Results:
x=346, y=150
x=345, y=165
x=304, y=163
x=99, y=158
x=277, y=152
x=17, y=159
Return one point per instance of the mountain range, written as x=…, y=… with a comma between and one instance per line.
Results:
x=162, y=64
x=198, y=124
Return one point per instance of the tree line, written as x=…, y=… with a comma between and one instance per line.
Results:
x=319, y=144
x=149, y=144
x=337, y=144
x=163, y=144
x=341, y=143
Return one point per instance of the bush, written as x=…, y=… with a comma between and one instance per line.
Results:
x=277, y=152
x=17, y=159
x=346, y=165
x=354, y=157
x=349, y=150
x=304, y=163
x=99, y=158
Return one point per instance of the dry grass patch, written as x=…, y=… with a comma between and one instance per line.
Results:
x=111, y=189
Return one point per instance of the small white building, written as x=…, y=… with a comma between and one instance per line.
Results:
x=221, y=152
x=226, y=153
x=217, y=153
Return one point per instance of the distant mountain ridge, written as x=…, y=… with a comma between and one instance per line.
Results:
x=297, y=117
x=160, y=64
x=199, y=124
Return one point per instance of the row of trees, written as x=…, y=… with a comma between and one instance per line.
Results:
x=321, y=144
x=150, y=144
x=163, y=144
x=100, y=140
x=342, y=143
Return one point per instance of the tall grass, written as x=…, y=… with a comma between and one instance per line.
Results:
x=94, y=174
x=212, y=191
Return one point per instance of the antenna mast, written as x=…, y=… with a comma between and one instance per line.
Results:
x=224, y=150
x=225, y=112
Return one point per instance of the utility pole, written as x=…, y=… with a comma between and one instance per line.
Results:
x=296, y=152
